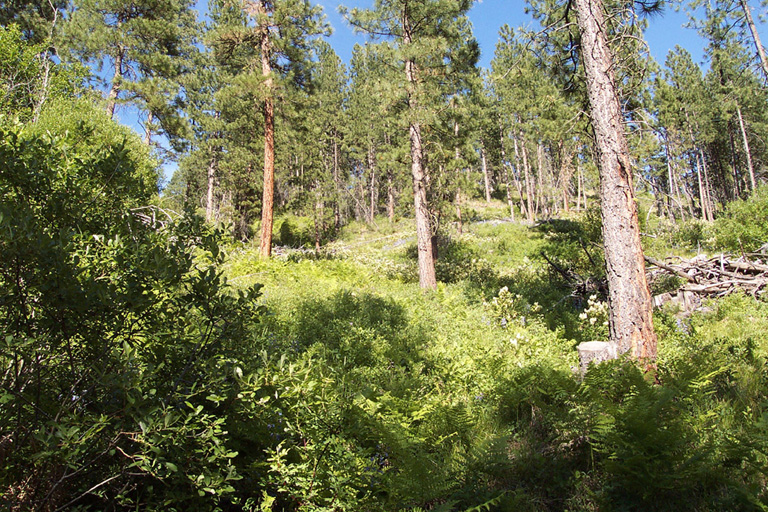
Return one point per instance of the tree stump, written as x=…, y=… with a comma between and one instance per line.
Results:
x=594, y=351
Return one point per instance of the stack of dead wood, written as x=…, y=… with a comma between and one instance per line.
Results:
x=710, y=277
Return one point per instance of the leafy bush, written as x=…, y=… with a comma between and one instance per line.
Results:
x=744, y=224
x=293, y=231
x=116, y=336
x=23, y=80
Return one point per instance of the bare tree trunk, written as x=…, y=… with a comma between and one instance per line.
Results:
x=148, y=128
x=211, y=185
x=747, y=152
x=460, y=222
x=268, y=203
x=516, y=176
x=505, y=168
x=427, y=277
x=755, y=36
x=116, y=80
x=566, y=175
x=540, y=199
x=46, y=61
x=486, y=177
x=372, y=190
x=734, y=165
x=361, y=211
x=528, y=186
x=578, y=187
x=707, y=189
x=336, y=182
x=390, y=197
x=674, y=187
x=319, y=207
x=629, y=298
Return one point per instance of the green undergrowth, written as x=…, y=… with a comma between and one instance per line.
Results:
x=368, y=394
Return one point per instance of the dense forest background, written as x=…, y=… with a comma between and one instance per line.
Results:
x=364, y=286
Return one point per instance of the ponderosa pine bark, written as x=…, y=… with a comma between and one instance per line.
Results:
x=755, y=37
x=114, y=90
x=427, y=276
x=629, y=298
x=268, y=198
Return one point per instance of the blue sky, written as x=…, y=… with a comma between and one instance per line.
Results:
x=487, y=16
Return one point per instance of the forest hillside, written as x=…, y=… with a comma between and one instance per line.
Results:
x=373, y=286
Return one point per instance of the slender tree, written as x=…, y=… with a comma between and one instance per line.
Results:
x=433, y=40
x=276, y=35
x=630, y=316
x=755, y=36
x=146, y=42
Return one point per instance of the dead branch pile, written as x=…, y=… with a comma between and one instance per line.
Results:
x=710, y=277
x=581, y=286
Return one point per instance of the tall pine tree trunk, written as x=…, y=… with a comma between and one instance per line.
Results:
x=528, y=185
x=486, y=177
x=319, y=213
x=734, y=165
x=674, y=189
x=268, y=202
x=505, y=167
x=209, y=207
x=541, y=201
x=747, y=152
x=629, y=298
x=516, y=176
x=372, y=184
x=336, y=183
x=566, y=175
x=390, y=197
x=707, y=188
x=427, y=277
x=459, y=220
x=755, y=36
x=116, y=81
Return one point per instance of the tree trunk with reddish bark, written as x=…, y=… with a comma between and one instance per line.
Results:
x=427, y=277
x=114, y=91
x=268, y=202
x=629, y=297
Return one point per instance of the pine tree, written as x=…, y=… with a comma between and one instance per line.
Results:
x=432, y=40
x=277, y=34
x=147, y=43
x=630, y=305
x=330, y=94
x=35, y=18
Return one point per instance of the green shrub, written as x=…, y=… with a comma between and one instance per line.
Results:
x=744, y=224
x=294, y=231
x=116, y=336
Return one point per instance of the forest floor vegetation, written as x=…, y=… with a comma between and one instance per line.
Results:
x=466, y=398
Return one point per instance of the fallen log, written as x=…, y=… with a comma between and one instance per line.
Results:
x=709, y=277
x=671, y=269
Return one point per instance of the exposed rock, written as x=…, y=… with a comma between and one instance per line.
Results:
x=594, y=352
